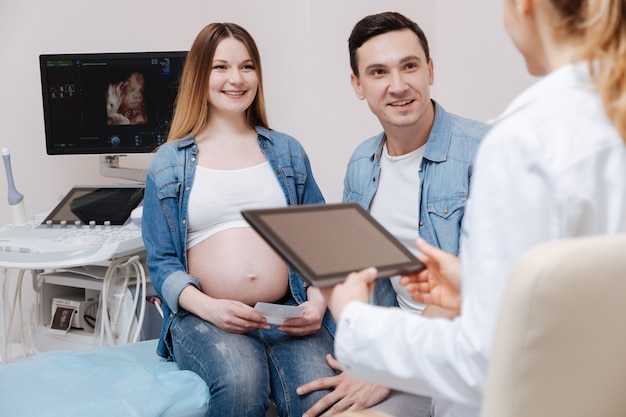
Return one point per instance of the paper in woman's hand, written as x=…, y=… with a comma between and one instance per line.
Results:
x=278, y=313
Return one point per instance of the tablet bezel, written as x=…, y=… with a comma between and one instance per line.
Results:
x=256, y=219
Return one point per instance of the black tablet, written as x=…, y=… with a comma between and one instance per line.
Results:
x=325, y=242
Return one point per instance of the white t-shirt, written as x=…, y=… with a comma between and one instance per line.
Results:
x=396, y=206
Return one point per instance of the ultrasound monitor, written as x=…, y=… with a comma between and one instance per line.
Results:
x=109, y=103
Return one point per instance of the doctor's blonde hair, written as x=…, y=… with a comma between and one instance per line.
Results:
x=600, y=26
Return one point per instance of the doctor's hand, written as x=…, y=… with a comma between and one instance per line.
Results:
x=347, y=393
x=440, y=283
x=357, y=287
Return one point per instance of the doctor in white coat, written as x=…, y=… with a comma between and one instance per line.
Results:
x=553, y=166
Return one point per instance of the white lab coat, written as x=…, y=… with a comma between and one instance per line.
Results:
x=553, y=166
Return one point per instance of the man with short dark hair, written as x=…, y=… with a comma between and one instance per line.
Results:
x=414, y=178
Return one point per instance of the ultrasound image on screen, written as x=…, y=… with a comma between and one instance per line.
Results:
x=125, y=101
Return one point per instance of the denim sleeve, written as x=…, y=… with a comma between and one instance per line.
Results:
x=168, y=273
x=309, y=193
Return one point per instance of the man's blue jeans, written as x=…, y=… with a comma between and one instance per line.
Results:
x=245, y=372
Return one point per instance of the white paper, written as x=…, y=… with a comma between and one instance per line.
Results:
x=278, y=313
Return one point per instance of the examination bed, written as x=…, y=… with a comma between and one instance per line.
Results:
x=123, y=380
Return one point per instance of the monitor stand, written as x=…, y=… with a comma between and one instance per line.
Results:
x=110, y=167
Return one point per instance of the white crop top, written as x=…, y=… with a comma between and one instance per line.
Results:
x=218, y=196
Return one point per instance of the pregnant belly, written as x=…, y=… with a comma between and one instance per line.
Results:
x=237, y=264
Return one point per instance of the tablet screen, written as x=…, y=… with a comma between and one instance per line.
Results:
x=327, y=242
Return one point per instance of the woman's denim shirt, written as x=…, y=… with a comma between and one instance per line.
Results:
x=445, y=172
x=164, y=222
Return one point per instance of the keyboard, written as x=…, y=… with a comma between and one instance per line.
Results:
x=37, y=246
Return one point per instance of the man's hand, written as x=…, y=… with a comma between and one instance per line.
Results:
x=440, y=283
x=347, y=393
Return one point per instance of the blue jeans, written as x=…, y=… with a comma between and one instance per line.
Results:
x=245, y=372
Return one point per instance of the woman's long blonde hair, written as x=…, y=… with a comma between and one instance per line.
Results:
x=600, y=26
x=191, y=110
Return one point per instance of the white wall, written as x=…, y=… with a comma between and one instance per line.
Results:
x=304, y=51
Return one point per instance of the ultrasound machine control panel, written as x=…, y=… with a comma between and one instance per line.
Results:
x=90, y=225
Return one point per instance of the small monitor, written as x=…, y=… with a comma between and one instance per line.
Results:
x=105, y=203
x=109, y=103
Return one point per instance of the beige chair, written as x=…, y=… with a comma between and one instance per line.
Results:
x=560, y=345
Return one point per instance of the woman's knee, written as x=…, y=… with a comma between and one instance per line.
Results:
x=222, y=359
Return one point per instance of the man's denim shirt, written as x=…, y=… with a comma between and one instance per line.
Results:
x=164, y=222
x=445, y=172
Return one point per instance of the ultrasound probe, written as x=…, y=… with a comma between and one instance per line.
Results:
x=16, y=199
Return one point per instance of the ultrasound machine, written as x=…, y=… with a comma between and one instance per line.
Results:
x=91, y=224
x=102, y=104
x=108, y=105
x=105, y=104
